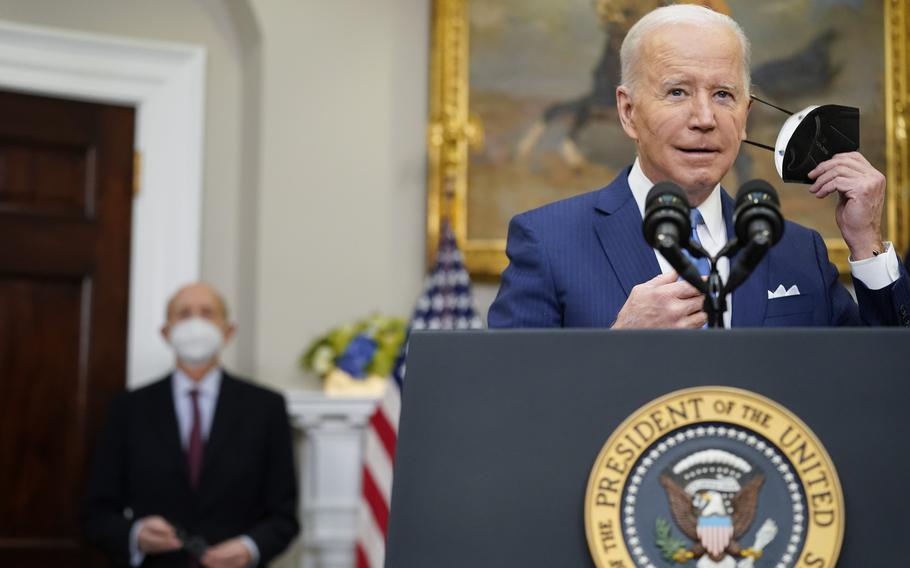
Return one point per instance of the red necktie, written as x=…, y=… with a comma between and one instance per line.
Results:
x=194, y=450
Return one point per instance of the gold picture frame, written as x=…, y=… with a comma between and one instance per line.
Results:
x=454, y=131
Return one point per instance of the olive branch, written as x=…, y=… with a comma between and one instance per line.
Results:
x=666, y=542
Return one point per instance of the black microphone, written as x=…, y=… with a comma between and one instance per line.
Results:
x=758, y=224
x=756, y=215
x=667, y=227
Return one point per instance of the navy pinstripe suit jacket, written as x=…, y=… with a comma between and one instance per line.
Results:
x=573, y=263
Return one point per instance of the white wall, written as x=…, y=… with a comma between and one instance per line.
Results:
x=342, y=190
x=314, y=174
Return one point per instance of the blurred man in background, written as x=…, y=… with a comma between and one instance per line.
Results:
x=195, y=469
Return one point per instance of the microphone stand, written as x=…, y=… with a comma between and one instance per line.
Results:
x=715, y=298
x=714, y=289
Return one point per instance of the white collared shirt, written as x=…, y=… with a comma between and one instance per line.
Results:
x=208, y=389
x=713, y=234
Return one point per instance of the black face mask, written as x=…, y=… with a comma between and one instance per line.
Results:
x=811, y=136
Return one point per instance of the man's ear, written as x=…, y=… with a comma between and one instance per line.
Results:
x=743, y=135
x=229, y=331
x=166, y=332
x=625, y=108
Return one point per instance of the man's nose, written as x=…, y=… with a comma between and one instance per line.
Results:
x=702, y=113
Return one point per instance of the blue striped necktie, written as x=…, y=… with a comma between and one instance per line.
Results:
x=702, y=264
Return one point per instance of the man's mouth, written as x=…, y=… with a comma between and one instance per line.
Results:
x=698, y=151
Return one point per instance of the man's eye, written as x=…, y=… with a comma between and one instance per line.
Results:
x=724, y=94
x=676, y=92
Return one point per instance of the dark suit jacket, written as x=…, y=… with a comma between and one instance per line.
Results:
x=573, y=263
x=247, y=484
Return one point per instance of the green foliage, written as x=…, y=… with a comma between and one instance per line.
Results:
x=666, y=542
x=388, y=333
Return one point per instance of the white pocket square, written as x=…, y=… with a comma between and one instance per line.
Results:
x=783, y=293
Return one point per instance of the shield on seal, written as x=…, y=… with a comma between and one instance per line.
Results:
x=715, y=532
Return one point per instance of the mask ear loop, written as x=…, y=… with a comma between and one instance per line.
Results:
x=783, y=110
x=760, y=145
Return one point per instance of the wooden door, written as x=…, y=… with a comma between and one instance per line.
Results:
x=65, y=204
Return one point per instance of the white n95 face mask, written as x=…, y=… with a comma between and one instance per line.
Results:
x=196, y=340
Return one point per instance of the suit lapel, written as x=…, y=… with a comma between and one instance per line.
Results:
x=222, y=423
x=750, y=300
x=618, y=227
x=164, y=417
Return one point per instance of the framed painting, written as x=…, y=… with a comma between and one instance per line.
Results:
x=523, y=105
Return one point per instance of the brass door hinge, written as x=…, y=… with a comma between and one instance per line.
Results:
x=137, y=172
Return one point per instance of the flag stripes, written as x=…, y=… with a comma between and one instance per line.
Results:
x=380, y=464
x=380, y=426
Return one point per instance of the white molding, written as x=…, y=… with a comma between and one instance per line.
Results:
x=315, y=409
x=165, y=82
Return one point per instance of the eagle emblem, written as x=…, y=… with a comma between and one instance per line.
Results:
x=713, y=496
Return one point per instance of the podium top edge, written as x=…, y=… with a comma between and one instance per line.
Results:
x=790, y=331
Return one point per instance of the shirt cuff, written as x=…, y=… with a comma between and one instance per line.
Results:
x=879, y=271
x=250, y=544
x=136, y=556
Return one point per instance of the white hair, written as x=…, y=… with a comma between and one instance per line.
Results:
x=630, y=53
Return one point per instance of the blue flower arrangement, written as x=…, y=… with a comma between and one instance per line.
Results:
x=364, y=348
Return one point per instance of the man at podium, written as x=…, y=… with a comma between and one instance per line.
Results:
x=683, y=99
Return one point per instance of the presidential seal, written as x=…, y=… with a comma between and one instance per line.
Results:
x=714, y=477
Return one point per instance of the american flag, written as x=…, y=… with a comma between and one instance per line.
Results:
x=445, y=303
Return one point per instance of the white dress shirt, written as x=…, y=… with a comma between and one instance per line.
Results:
x=876, y=272
x=208, y=388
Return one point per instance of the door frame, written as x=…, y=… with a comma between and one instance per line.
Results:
x=165, y=82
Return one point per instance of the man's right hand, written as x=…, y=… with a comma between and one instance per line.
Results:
x=157, y=535
x=662, y=302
